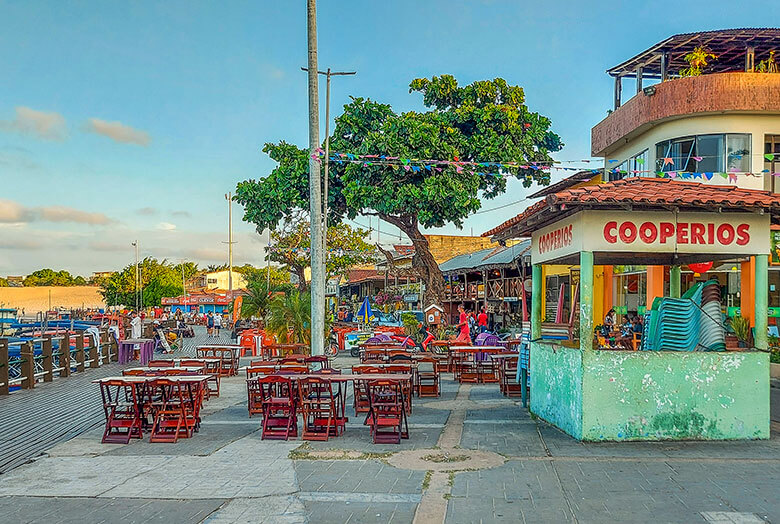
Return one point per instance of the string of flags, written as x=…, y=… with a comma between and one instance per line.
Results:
x=415, y=165
x=306, y=250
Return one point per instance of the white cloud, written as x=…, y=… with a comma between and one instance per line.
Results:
x=146, y=211
x=48, y=126
x=13, y=213
x=118, y=132
x=166, y=226
x=183, y=214
x=68, y=214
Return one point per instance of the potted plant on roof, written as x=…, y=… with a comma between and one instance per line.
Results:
x=697, y=60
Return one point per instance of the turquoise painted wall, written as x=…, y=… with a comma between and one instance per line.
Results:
x=556, y=386
x=642, y=395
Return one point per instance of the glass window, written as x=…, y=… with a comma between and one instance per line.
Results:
x=634, y=166
x=710, y=149
x=738, y=152
x=717, y=153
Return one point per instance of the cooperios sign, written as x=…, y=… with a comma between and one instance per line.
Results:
x=653, y=232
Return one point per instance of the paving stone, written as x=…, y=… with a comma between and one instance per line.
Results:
x=270, y=510
x=356, y=476
x=78, y=510
x=360, y=512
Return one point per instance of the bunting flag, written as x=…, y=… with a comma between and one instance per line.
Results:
x=305, y=250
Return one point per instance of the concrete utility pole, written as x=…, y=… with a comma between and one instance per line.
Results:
x=327, y=74
x=136, y=273
x=315, y=192
x=229, y=198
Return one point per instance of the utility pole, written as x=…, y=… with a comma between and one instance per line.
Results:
x=327, y=74
x=268, y=262
x=135, y=243
x=229, y=198
x=315, y=192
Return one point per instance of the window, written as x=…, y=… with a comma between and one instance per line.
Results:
x=634, y=166
x=704, y=154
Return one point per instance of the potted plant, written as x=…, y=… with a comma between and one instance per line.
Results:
x=697, y=60
x=741, y=327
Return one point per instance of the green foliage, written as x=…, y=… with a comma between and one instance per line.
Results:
x=410, y=322
x=483, y=121
x=279, y=277
x=697, y=60
x=49, y=277
x=741, y=327
x=292, y=243
x=3, y=282
x=158, y=279
x=769, y=65
x=774, y=357
x=289, y=317
x=257, y=301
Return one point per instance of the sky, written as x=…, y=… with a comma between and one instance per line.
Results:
x=123, y=121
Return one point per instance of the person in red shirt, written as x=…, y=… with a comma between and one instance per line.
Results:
x=463, y=326
x=482, y=320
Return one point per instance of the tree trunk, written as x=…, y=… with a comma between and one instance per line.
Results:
x=422, y=261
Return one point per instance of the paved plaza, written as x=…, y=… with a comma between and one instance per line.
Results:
x=524, y=471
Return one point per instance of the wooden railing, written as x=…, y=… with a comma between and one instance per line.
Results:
x=30, y=368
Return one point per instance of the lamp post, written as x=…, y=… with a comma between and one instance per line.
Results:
x=135, y=244
x=229, y=198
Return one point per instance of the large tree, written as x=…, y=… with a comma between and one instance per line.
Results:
x=158, y=279
x=49, y=277
x=486, y=122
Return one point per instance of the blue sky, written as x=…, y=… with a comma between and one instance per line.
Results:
x=125, y=120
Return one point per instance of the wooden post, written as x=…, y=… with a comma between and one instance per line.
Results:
x=93, y=354
x=747, y=277
x=65, y=355
x=3, y=366
x=586, y=300
x=48, y=359
x=761, y=313
x=79, y=351
x=618, y=91
x=639, y=86
x=664, y=67
x=28, y=365
x=113, y=349
x=655, y=284
x=104, y=350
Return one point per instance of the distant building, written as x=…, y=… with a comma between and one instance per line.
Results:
x=217, y=280
x=15, y=281
x=101, y=274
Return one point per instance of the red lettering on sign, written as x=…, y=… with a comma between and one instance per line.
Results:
x=648, y=232
x=666, y=231
x=627, y=232
x=743, y=234
x=682, y=233
x=725, y=234
x=609, y=234
x=697, y=233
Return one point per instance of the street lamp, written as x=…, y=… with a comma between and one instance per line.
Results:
x=137, y=274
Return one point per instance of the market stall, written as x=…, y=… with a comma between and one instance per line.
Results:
x=691, y=390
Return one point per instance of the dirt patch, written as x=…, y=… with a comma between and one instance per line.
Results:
x=36, y=299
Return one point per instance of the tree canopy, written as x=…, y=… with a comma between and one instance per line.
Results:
x=158, y=279
x=49, y=277
x=486, y=121
x=347, y=247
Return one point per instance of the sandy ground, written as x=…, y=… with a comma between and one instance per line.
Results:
x=35, y=299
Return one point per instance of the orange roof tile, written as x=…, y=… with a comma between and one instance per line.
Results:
x=645, y=193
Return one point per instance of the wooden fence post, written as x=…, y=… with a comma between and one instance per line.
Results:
x=105, y=353
x=48, y=359
x=3, y=366
x=65, y=355
x=28, y=365
x=79, y=351
x=93, y=354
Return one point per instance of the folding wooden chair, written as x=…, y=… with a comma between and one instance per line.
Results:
x=321, y=411
x=387, y=412
x=122, y=409
x=428, y=380
x=280, y=420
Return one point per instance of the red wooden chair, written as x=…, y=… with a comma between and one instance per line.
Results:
x=161, y=363
x=321, y=362
x=280, y=420
x=428, y=380
x=509, y=387
x=175, y=414
x=360, y=388
x=387, y=412
x=254, y=397
x=122, y=409
x=321, y=410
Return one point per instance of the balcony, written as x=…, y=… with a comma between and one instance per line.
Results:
x=738, y=92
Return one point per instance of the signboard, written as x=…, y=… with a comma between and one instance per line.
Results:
x=411, y=298
x=653, y=232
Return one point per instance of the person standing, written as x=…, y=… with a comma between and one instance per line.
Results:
x=482, y=320
x=209, y=324
x=217, y=324
x=135, y=326
x=463, y=326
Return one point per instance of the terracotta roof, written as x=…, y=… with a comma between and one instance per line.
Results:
x=644, y=193
x=577, y=178
x=403, y=250
x=361, y=275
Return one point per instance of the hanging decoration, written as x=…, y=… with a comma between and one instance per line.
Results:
x=700, y=267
